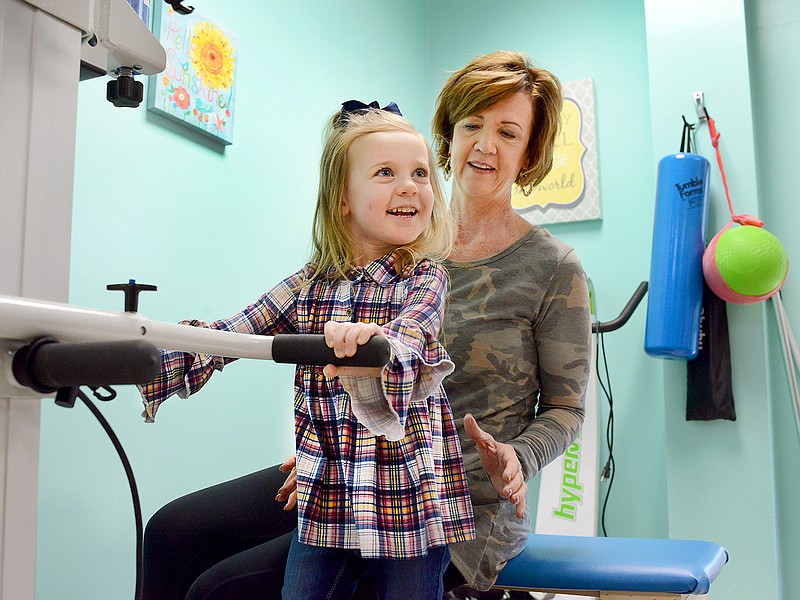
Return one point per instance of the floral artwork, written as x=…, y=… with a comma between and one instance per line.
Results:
x=197, y=86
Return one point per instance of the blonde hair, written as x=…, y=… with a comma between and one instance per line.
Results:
x=489, y=79
x=332, y=242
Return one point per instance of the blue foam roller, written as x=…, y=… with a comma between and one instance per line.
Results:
x=675, y=292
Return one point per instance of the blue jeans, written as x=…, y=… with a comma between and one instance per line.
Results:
x=314, y=573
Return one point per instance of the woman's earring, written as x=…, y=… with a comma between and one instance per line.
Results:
x=447, y=168
x=525, y=189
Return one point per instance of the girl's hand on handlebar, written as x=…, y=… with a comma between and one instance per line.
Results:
x=345, y=338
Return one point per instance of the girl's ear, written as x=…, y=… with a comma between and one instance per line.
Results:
x=345, y=208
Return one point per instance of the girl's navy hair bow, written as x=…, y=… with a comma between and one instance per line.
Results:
x=356, y=107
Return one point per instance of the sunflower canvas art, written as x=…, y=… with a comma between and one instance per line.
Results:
x=197, y=87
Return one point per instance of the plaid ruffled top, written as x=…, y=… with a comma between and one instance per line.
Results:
x=393, y=490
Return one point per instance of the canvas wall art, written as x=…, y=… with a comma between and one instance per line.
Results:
x=571, y=191
x=197, y=87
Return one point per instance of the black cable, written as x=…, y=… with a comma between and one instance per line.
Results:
x=609, y=469
x=137, y=508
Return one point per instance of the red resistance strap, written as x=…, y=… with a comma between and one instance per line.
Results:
x=741, y=219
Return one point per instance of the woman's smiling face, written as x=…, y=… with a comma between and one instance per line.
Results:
x=490, y=148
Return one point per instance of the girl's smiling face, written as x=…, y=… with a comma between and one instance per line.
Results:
x=389, y=197
x=489, y=148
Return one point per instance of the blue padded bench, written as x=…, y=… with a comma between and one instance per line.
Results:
x=615, y=568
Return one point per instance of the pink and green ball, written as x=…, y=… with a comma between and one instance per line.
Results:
x=745, y=264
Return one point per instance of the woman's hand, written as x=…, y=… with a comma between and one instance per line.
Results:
x=288, y=491
x=345, y=338
x=501, y=465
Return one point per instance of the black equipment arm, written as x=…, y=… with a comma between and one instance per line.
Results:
x=626, y=313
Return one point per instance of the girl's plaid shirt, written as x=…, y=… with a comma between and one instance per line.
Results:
x=389, y=496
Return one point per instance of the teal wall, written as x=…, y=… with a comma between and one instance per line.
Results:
x=155, y=203
x=720, y=474
x=773, y=30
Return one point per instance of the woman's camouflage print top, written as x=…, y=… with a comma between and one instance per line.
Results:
x=518, y=328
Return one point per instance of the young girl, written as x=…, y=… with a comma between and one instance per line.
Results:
x=381, y=487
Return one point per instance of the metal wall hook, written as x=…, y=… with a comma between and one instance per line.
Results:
x=179, y=7
x=700, y=105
